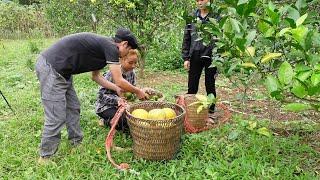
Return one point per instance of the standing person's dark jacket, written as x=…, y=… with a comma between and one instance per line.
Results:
x=190, y=42
x=197, y=57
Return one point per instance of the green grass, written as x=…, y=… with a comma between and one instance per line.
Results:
x=230, y=152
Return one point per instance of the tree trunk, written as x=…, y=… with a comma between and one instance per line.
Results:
x=142, y=61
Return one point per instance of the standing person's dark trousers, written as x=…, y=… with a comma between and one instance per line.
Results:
x=197, y=63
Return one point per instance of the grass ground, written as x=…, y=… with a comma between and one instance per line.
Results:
x=233, y=151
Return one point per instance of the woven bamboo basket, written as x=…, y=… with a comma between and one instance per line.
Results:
x=156, y=139
x=197, y=120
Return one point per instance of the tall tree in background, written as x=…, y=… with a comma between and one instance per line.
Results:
x=147, y=18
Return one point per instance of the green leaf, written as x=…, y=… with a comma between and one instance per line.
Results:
x=242, y=2
x=301, y=19
x=270, y=32
x=269, y=56
x=309, y=40
x=250, y=37
x=278, y=95
x=297, y=107
x=232, y=10
x=251, y=51
x=298, y=89
x=285, y=73
x=248, y=65
x=227, y=27
x=240, y=42
x=293, y=13
x=211, y=173
x=291, y=22
x=299, y=34
x=263, y=26
x=301, y=67
x=252, y=125
x=272, y=84
x=233, y=135
x=316, y=39
x=314, y=59
x=235, y=25
x=301, y=4
x=283, y=31
x=271, y=6
x=315, y=79
x=264, y=131
x=251, y=8
x=274, y=16
x=304, y=75
x=313, y=90
x=211, y=97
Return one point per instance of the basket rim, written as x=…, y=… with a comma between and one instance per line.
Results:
x=158, y=102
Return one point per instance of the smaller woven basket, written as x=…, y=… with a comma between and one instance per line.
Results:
x=156, y=139
x=197, y=120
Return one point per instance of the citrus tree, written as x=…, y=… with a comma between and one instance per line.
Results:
x=71, y=16
x=277, y=43
x=147, y=18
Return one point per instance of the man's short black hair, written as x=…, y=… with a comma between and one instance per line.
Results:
x=124, y=34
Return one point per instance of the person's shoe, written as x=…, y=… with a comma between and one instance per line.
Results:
x=101, y=122
x=43, y=161
x=212, y=118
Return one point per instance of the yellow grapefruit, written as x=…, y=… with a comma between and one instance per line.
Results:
x=140, y=113
x=157, y=114
x=170, y=113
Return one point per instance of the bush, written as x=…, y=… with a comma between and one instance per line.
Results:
x=72, y=16
x=165, y=52
x=18, y=21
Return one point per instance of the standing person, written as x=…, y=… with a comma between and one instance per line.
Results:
x=107, y=101
x=197, y=56
x=75, y=54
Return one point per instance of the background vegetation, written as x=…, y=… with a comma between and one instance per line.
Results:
x=158, y=26
x=289, y=150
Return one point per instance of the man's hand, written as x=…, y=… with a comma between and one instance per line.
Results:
x=98, y=78
x=120, y=81
x=186, y=65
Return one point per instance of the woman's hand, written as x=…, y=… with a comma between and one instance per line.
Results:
x=119, y=92
x=186, y=65
x=142, y=95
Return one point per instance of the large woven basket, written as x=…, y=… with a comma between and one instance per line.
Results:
x=156, y=139
x=197, y=120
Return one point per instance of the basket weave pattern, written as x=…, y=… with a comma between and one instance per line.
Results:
x=197, y=120
x=156, y=139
